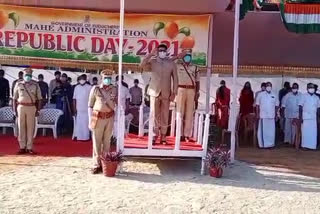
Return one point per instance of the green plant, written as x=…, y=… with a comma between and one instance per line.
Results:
x=112, y=157
x=218, y=157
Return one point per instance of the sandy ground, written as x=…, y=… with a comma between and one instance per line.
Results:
x=64, y=185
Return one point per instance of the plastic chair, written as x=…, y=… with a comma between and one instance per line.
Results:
x=48, y=119
x=7, y=120
x=128, y=120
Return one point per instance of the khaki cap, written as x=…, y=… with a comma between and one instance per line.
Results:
x=28, y=71
x=106, y=73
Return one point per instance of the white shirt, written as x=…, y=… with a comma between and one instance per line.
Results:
x=310, y=105
x=267, y=103
x=81, y=95
x=291, y=103
x=125, y=94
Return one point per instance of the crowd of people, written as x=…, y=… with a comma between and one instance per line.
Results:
x=95, y=106
x=295, y=113
x=61, y=94
x=173, y=79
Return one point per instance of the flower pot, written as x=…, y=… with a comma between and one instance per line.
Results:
x=109, y=168
x=216, y=172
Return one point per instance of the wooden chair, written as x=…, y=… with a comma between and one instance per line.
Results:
x=237, y=127
x=250, y=126
x=297, y=139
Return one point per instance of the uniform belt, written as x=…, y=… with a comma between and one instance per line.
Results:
x=102, y=115
x=186, y=86
x=27, y=104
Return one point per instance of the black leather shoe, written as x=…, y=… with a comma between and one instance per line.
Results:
x=96, y=170
x=21, y=152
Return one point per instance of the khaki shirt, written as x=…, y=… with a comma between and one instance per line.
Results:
x=103, y=100
x=21, y=92
x=184, y=78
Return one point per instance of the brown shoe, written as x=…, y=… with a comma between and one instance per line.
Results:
x=163, y=140
x=189, y=140
x=30, y=152
x=154, y=140
x=21, y=152
x=96, y=170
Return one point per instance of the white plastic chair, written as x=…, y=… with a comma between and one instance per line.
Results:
x=128, y=120
x=7, y=120
x=48, y=119
x=145, y=123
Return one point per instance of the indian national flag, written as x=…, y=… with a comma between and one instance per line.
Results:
x=301, y=17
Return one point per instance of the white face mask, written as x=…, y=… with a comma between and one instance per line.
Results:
x=82, y=82
x=294, y=90
x=311, y=90
x=269, y=88
x=162, y=55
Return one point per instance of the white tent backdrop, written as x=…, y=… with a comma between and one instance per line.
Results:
x=11, y=74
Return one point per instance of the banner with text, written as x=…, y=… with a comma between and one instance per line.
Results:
x=94, y=36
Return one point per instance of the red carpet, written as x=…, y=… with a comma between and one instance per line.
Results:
x=133, y=141
x=48, y=146
x=65, y=147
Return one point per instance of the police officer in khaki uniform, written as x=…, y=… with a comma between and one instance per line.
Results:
x=26, y=105
x=102, y=103
x=188, y=92
x=162, y=88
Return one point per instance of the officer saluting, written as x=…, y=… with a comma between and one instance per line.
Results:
x=26, y=105
x=102, y=102
x=188, y=92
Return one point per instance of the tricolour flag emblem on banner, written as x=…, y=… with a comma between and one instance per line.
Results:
x=301, y=17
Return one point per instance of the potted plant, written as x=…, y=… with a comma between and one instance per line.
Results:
x=110, y=162
x=217, y=159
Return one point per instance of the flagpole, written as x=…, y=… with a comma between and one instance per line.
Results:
x=234, y=78
x=119, y=107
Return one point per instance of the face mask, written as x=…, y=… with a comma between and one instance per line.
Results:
x=107, y=81
x=162, y=55
x=269, y=88
x=82, y=82
x=187, y=58
x=27, y=78
x=294, y=90
x=311, y=90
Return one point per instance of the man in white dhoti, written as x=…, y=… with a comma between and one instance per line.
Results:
x=125, y=100
x=308, y=109
x=80, y=105
x=266, y=110
x=290, y=110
